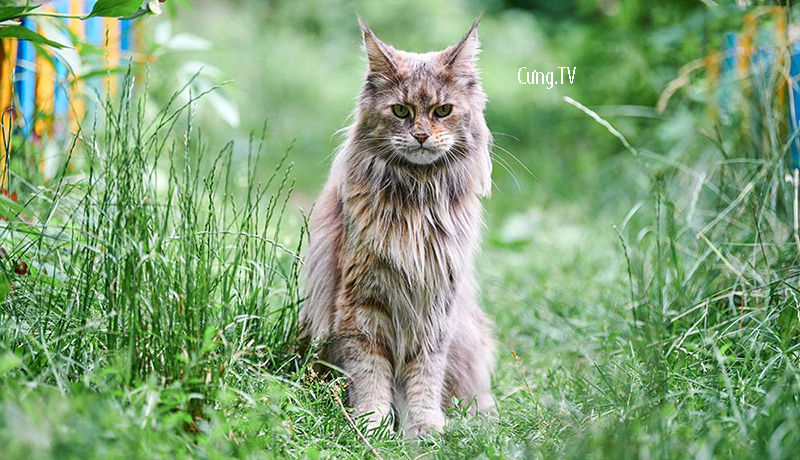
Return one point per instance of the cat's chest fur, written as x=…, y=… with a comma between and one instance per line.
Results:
x=406, y=263
x=409, y=255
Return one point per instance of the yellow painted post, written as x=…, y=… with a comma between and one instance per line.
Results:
x=45, y=93
x=782, y=42
x=746, y=44
x=744, y=58
x=9, y=55
x=113, y=34
x=8, y=49
x=77, y=107
x=712, y=76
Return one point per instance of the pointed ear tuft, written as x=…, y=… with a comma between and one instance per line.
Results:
x=465, y=52
x=379, y=54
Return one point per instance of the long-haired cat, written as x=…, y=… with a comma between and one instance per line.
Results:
x=390, y=284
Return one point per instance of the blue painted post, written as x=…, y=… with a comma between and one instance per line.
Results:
x=763, y=65
x=728, y=76
x=94, y=26
x=25, y=81
x=794, y=106
x=729, y=52
x=94, y=36
x=763, y=60
x=126, y=37
x=61, y=102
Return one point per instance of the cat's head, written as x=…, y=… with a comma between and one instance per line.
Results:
x=422, y=108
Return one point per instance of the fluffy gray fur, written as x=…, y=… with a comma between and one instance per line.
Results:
x=390, y=284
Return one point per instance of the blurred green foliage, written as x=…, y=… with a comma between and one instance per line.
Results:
x=298, y=64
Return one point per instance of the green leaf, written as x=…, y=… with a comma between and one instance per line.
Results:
x=14, y=12
x=8, y=362
x=23, y=33
x=140, y=12
x=9, y=210
x=5, y=286
x=115, y=8
x=148, y=7
x=208, y=339
x=788, y=323
x=101, y=73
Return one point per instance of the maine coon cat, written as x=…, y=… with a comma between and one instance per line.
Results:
x=390, y=288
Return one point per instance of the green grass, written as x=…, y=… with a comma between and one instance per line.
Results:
x=655, y=315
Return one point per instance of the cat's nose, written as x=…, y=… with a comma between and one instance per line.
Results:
x=421, y=137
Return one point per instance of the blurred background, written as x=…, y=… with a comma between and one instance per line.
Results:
x=298, y=65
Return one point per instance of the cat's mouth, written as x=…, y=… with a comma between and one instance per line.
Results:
x=421, y=156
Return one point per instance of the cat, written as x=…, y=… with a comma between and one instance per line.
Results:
x=389, y=272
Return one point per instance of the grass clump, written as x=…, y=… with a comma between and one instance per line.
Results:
x=144, y=272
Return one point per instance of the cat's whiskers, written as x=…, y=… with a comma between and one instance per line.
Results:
x=514, y=157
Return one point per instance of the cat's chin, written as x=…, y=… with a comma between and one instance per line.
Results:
x=421, y=157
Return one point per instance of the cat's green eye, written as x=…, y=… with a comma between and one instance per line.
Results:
x=400, y=110
x=443, y=110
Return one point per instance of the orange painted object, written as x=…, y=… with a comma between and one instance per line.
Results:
x=45, y=92
x=76, y=25
x=8, y=53
x=47, y=77
x=113, y=32
x=782, y=41
x=712, y=76
x=747, y=45
x=77, y=107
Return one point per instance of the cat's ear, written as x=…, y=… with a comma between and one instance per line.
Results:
x=379, y=54
x=464, y=53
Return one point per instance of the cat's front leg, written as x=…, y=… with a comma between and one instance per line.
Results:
x=364, y=359
x=424, y=381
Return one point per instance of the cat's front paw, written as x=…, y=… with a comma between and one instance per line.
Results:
x=424, y=427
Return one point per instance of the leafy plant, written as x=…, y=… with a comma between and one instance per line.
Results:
x=147, y=263
x=123, y=9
